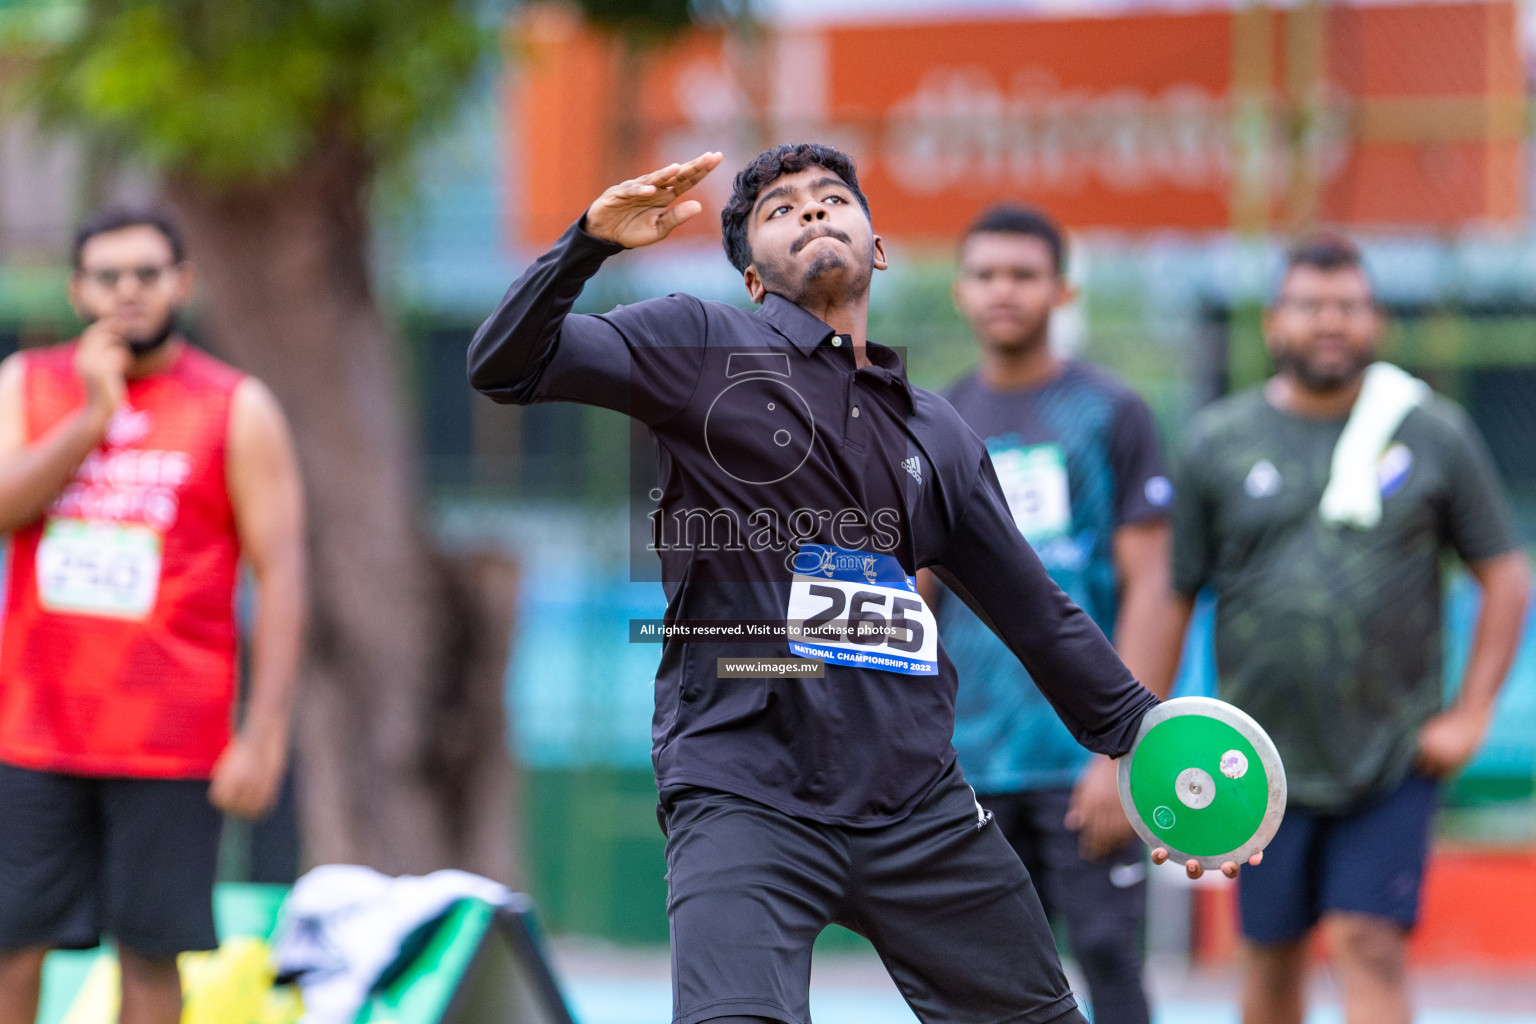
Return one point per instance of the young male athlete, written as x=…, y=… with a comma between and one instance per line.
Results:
x=1076, y=453
x=1317, y=507
x=803, y=482
x=136, y=473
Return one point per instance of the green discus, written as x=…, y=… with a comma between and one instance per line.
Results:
x=1204, y=781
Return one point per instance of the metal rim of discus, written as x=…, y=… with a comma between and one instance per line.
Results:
x=1269, y=757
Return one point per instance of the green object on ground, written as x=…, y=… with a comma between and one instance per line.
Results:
x=424, y=990
x=481, y=963
x=478, y=963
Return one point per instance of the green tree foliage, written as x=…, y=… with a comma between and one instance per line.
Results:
x=235, y=91
x=654, y=21
x=643, y=18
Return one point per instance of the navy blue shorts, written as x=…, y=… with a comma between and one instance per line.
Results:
x=1366, y=860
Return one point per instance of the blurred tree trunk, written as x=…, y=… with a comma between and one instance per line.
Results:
x=401, y=732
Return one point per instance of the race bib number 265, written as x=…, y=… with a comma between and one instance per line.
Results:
x=95, y=568
x=854, y=607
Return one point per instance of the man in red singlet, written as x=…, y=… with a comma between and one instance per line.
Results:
x=136, y=472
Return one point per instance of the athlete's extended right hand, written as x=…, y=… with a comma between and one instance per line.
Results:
x=645, y=210
x=102, y=360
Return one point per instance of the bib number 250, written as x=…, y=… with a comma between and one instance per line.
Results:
x=98, y=568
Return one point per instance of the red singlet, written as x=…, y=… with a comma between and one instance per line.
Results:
x=118, y=651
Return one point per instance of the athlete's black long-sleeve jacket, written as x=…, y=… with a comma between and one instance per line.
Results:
x=769, y=438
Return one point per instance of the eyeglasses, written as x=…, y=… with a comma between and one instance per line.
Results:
x=107, y=277
x=1349, y=309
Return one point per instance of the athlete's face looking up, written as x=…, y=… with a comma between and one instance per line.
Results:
x=1007, y=288
x=130, y=278
x=1324, y=327
x=810, y=240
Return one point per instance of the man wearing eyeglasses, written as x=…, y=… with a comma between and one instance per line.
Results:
x=1316, y=508
x=136, y=473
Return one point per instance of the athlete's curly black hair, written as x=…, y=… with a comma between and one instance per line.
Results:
x=768, y=166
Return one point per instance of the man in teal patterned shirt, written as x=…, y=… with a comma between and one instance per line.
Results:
x=1076, y=453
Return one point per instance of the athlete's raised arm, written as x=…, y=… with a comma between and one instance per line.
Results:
x=644, y=210
x=531, y=349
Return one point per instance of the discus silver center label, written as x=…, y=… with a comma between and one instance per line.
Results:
x=1195, y=788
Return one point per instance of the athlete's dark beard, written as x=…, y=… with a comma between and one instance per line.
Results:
x=777, y=279
x=1322, y=382
x=146, y=345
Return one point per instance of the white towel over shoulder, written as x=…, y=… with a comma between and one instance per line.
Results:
x=1353, y=495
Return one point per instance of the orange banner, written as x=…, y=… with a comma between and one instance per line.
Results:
x=1403, y=116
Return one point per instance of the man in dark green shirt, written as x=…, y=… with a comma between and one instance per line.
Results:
x=1317, y=508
